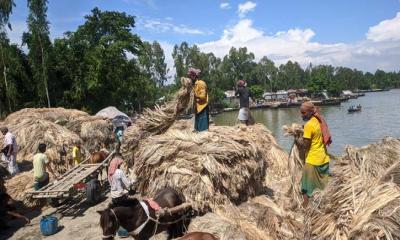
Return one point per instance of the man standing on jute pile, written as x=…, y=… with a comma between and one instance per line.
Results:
x=202, y=118
x=315, y=139
x=10, y=151
x=244, y=95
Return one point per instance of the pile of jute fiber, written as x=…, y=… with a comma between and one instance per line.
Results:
x=221, y=166
x=362, y=199
x=157, y=120
x=31, y=131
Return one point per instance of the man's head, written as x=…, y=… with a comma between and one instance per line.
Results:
x=307, y=110
x=42, y=147
x=77, y=143
x=241, y=83
x=193, y=73
x=4, y=130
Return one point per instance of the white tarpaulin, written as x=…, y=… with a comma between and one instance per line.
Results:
x=118, y=118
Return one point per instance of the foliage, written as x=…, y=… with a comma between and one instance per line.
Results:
x=257, y=91
x=104, y=63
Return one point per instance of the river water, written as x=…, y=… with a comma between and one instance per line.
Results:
x=380, y=116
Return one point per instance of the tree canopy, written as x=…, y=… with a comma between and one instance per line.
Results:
x=103, y=62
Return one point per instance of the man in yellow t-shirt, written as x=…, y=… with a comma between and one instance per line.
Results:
x=76, y=153
x=315, y=139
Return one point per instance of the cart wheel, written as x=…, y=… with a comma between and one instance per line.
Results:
x=93, y=191
x=53, y=202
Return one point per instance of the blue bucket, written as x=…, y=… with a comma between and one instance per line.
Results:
x=48, y=225
x=122, y=232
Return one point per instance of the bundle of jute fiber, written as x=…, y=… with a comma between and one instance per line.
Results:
x=31, y=132
x=222, y=166
x=95, y=132
x=377, y=157
x=295, y=163
x=362, y=199
x=55, y=115
x=18, y=185
x=223, y=228
x=258, y=218
x=157, y=120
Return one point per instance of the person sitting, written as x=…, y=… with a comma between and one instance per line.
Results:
x=120, y=184
x=40, y=164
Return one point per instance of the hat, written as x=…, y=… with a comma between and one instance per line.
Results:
x=194, y=72
x=241, y=83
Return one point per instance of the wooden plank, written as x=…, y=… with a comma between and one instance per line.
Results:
x=75, y=175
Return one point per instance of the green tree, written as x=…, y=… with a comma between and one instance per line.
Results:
x=152, y=61
x=238, y=64
x=94, y=62
x=39, y=45
x=257, y=91
x=266, y=73
x=5, y=12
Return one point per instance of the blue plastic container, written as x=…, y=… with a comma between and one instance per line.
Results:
x=122, y=232
x=48, y=225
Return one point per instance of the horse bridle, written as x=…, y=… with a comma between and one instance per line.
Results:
x=137, y=231
x=112, y=235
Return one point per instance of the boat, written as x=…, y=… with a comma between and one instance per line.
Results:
x=354, y=109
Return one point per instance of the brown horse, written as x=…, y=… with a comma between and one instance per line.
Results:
x=98, y=157
x=198, y=236
x=140, y=220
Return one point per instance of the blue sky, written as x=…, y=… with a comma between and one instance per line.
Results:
x=356, y=33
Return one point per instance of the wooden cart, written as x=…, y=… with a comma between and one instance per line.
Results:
x=81, y=178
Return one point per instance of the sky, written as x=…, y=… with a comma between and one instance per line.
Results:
x=362, y=34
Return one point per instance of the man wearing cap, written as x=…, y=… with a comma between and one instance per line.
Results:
x=316, y=138
x=10, y=150
x=244, y=95
x=201, y=101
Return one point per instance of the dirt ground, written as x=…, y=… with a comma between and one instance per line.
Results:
x=77, y=220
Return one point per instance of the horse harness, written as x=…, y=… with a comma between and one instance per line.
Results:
x=139, y=229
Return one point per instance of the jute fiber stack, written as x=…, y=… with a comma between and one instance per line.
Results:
x=55, y=115
x=362, y=198
x=96, y=131
x=157, y=120
x=258, y=218
x=30, y=132
x=223, y=228
x=295, y=163
x=18, y=185
x=222, y=166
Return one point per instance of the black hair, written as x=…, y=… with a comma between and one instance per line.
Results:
x=42, y=147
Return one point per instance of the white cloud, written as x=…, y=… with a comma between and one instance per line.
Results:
x=225, y=5
x=163, y=26
x=245, y=8
x=298, y=45
x=386, y=30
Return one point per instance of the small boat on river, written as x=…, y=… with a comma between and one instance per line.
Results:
x=353, y=109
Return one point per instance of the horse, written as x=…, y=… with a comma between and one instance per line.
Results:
x=98, y=157
x=140, y=220
x=198, y=236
